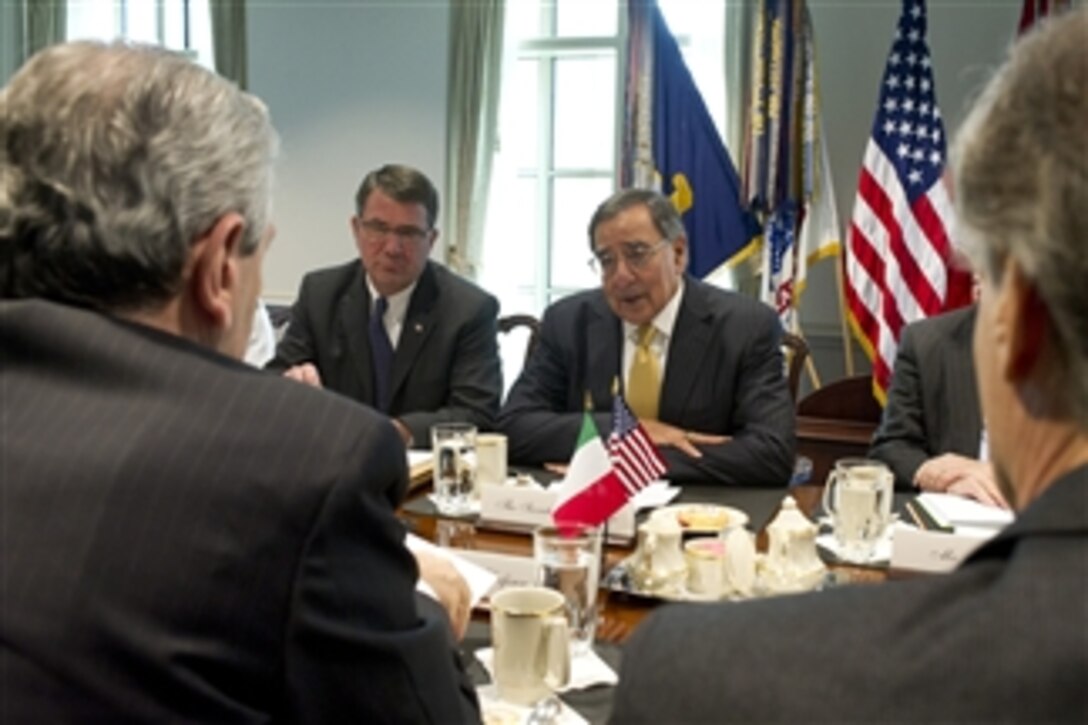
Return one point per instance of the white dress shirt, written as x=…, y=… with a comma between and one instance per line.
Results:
x=396, y=311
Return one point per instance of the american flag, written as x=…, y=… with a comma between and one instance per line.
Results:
x=1034, y=10
x=634, y=457
x=898, y=260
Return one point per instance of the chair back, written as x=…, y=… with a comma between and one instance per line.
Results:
x=795, y=353
x=514, y=353
x=509, y=323
x=836, y=421
x=849, y=399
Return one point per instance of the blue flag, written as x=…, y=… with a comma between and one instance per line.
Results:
x=691, y=163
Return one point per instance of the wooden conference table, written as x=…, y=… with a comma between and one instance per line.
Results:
x=621, y=612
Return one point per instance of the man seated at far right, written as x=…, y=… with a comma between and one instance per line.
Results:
x=932, y=435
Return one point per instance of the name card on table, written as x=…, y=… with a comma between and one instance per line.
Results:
x=934, y=551
x=523, y=508
x=950, y=527
x=509, y=569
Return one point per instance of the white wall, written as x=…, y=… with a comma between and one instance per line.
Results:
x=351, y=85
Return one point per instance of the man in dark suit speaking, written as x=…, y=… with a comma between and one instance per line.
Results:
x=393, y=329
x=1003, y=638
x=185, y=538
x=700, y=367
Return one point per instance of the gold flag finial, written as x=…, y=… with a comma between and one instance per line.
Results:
x=615, y=386
x=589, y=402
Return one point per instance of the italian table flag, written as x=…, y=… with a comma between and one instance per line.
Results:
x=591, y=491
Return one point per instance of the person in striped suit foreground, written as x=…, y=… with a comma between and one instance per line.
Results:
x=185, y=538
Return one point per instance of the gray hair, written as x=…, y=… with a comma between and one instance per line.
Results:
x=1021, y=175
x=116, y=158
x=402, y=183
x=664, y=215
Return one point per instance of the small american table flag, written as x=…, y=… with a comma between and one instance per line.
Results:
x=635, y=458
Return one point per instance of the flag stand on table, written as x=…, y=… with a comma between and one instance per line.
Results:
x=600, y=481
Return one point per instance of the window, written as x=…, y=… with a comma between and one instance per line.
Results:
x=183, y=25
x=559, y=124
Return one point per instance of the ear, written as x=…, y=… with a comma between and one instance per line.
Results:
x=214, y=277
x=680, y=250
x=1026, y=321
x=433, y=234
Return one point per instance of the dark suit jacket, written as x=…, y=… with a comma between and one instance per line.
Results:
x=933, y=403
x=1003, y=638
x=187, y=539
x=446, y=366
x=724, y=375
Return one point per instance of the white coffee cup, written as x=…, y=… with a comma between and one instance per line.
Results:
x=490, y=458
x=532, y=649
x=858, y=498
x=705, y=558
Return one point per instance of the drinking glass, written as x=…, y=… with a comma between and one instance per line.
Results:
x=858, y=498
x=568, y=559
x=454, y=449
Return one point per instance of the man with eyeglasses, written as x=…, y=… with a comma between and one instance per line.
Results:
x=393, y=329
x=701, y=367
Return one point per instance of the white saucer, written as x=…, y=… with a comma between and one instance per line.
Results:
x=881, y=556
x=471, y=510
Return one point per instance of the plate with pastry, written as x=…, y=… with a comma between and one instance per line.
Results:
x=702, y=518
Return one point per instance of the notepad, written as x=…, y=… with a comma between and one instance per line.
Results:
x=950, y=510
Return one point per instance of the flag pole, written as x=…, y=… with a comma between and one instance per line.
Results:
x=847, y=348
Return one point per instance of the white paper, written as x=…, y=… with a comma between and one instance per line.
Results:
x=417, y=457
x=480, y=580
x=655, y=495
x=959, y=511
x=586, y=669
x=506, y=713
x=511, y=570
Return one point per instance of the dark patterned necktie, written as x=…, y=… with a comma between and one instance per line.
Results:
x=381, y=355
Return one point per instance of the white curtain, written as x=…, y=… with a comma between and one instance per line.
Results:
x=229, y=40
x=739, y=19
x=43, y=24
x=738, y=73
x=475, y=67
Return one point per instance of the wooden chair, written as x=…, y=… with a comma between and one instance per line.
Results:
x=836, y=421
x=795, y=352
x=849, y=399
x=510, y=323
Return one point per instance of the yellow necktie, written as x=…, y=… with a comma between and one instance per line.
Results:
x=644, y=382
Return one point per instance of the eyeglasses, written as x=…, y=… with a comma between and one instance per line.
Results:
x=375, y=230
x=636, y=255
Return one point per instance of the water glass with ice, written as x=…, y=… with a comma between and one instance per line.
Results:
x=454, y=449
x=568, y=559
